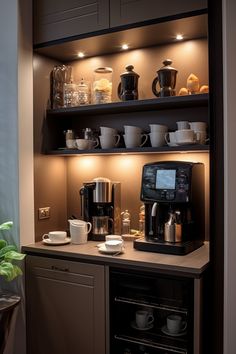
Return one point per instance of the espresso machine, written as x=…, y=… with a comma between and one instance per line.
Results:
x=174, y=197
x=101, y=205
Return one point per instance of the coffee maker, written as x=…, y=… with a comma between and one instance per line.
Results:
x=100, y=205
x=174, y=197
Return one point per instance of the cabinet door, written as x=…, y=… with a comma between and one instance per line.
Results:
x=59, y=19
x=65, y=306
x=125, y=12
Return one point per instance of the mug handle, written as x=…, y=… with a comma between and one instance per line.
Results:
x=166, y=138
x=145, y=139
x=184, y=326
x=119, y=91
x=45, y=237
x=96, y=142
x=89, y=227
x=118, y=139
x=154, y=90
x=150, y=319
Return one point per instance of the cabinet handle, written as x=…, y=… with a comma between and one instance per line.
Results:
x=60, y=269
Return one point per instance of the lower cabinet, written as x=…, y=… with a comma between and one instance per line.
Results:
x=65, y=307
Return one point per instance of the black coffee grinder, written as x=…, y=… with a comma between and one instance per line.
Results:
x=100, y=205
x=174, y=197
x=128, y=87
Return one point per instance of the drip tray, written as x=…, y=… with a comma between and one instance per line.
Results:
x=180, y=248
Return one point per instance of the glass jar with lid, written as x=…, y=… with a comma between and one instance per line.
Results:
x=83, y=92
x=102, y=85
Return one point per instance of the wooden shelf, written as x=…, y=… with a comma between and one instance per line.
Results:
x=139, y=150
x=173, y=102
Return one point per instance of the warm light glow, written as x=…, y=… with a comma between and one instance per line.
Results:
x=125, y=46
x=179, y=37
x=80, y=54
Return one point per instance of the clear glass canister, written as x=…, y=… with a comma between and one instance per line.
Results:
x=125, y=223
x=70, y=95
x=83, y=92
x=102, y=85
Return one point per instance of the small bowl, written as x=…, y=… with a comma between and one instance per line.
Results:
x=114, y=245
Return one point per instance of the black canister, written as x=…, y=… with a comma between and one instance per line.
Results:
x=128, y=87
x=166, y=77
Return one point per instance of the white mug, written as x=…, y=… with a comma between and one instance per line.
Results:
x=201, y=137
x=186, y=136
x=107, y=130
x=92, y=144
x=183, y=124
x=55, y=236
x=79, y=230
x=133, y=140
x=82, y=144
x=170, y=139
x=143, y=318
x=175, y=324
x=157, y=138
x=158, y=128
x=198, y=126
x=109, y=141
x=131, y=129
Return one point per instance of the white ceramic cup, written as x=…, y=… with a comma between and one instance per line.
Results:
x=92, y=144
x=133, y=140
x=158, y=128
x=114, y=245
x=198, y=126
x=175, y=324
x=143, y=318
x=183, y=124
x=82, y=144
x=70, y=143
x=55, y=236
x=185, y=136
x=157, y=138
x=108, y=141
x=113, y=237
x=201, y=137
x=107, y=130
x=79, y=230
x=170, y=139
x=131, y=129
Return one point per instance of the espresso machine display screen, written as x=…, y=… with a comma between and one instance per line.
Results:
x=165, y=179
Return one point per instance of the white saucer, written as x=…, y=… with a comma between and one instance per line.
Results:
x=172, y=144
x=102, y=248
x=133, y=325
x=47, y=241
x=164, y=329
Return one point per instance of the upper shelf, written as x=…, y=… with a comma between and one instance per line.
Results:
x=151, y=33
x=172, y=102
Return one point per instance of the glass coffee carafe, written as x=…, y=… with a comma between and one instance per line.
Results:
x=101, y=225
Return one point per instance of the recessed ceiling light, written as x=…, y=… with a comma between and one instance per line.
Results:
x=179, y=37
x=80, y=54
x=125, y=46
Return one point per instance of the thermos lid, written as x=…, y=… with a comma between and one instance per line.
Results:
x=167, y=66
x=129, y=71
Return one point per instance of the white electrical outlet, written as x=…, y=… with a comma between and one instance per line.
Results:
x=44, y=213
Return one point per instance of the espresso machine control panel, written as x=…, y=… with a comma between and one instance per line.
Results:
x=167, y=182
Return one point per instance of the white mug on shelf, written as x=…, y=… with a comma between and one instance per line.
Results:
x=108, y=130
x=143, y=318
x=158, y=128
x=175, y=324
x=133, y=140
x=198, y=126
x=183, y=124
x=131, y=129
x=109, y=141
x=157, y=138
x=170, y=139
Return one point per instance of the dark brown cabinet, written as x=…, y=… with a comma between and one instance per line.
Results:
x=125, y=12
x=65, y=304
x=59, y=19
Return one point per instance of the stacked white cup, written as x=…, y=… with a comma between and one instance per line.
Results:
x=133, y=136
x=200, y=129
x=108, y=138
x=157, y=134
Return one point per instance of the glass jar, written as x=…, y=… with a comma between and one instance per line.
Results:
x=102, y=85
x=125, y=223
x=70, y=95
x=142, y=220
x=83, y=92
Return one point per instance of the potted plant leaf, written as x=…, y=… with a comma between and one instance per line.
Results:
x=9, y=255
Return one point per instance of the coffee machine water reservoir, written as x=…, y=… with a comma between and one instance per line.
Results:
x=174, y=197
x=100, y=205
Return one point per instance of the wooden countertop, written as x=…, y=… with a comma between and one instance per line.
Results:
x=192, y=264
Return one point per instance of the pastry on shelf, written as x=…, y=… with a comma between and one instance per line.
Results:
x=192, y=84
x=204, y=89
x=183, y=91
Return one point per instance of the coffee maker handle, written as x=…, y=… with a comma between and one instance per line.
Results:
x=119, y=91
x=154, y=83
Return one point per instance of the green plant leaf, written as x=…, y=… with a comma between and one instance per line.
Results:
x=9, y=271
x=3, y=243
x=7, y=249
x=6, y=225
x=13, y=255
